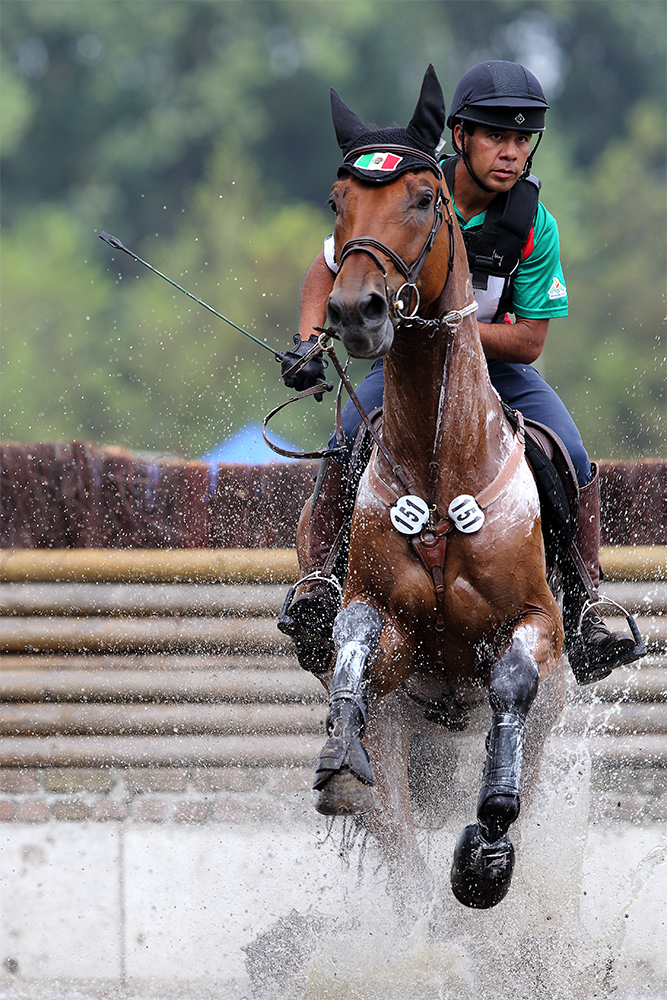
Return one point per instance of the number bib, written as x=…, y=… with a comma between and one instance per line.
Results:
x=409, y=514
x=466, y=514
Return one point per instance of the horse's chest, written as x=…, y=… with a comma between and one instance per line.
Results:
x=453, y=594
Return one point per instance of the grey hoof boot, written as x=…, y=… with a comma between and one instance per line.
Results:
x=344, y=778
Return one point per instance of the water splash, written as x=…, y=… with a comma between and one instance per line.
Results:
x=536, y=945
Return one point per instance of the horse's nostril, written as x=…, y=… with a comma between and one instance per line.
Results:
x=373, y=308
x=333, y=313
x=363, y=316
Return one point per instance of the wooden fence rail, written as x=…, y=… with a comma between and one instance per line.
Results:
x=130, y=674
x=639, y=562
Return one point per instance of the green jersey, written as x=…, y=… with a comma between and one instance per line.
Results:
x=537, y=285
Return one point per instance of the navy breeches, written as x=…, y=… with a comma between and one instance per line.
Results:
x=520, y=386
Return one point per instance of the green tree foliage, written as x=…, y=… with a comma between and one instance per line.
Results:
x=56, y=344
x=198, y=132
x=616, y=266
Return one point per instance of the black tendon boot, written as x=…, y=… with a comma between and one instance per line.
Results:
x=312, y=605
x=593, y=651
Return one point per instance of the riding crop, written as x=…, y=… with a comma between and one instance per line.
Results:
x=113, y=242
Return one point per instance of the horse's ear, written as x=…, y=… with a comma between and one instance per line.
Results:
x=348, y=125
x=428, y=120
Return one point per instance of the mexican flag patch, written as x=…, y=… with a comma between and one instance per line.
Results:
x=378, y=161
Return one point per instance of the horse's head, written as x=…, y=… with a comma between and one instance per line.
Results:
x=389, y=211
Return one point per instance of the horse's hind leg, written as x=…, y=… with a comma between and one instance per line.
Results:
x=484, y=857
x=344, y=777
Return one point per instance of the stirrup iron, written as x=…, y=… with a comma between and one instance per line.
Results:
x=640, y=646
x=317, y=574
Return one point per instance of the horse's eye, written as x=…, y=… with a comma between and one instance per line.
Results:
x=425, y=200
x=332, y=206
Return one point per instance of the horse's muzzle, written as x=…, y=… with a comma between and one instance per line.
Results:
x=363, y=326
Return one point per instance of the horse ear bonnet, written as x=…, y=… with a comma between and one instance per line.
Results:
x=379, y=165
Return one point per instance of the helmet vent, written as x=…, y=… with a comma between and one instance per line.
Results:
x=509, y=79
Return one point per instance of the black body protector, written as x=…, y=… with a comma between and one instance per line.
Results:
x=496, y=247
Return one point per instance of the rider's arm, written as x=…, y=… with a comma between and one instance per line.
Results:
x=538, y=294
x=521, y=342
x=315, y=291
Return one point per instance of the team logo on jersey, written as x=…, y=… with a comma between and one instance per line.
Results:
x=558, y=289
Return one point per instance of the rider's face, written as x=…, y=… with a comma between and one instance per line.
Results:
x=497, y=156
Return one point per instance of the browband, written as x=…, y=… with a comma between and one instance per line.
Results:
x=429, y=160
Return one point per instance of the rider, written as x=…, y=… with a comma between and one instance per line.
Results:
x=498, y=108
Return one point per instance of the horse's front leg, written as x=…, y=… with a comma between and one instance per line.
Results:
x=484, y=856
x=344, y=776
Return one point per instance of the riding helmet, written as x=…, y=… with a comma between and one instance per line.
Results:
x=500, y=94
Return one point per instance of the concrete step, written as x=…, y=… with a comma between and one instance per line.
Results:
x=156, y=719
x=212, y=685
x=621, y=719
x=146, y=661
x=206, y=599
x=274, y=750
x=127, y=634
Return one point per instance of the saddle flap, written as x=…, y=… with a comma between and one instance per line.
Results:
x=558, y=455
x=555, y=477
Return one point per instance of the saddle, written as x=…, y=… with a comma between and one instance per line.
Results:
x=557, y=485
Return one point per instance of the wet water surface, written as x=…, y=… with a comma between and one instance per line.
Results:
x=269, y=903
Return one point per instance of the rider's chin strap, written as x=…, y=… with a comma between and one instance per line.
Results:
x=466, y=162
x=527, y=170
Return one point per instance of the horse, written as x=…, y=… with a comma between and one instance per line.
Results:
x=446, y=602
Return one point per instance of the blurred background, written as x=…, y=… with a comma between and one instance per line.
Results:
x=198, y=132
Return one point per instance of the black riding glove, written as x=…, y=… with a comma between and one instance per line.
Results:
x=311, y=373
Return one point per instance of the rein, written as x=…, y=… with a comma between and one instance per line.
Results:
x=452, y=320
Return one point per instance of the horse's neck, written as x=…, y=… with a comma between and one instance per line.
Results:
x=439, y=405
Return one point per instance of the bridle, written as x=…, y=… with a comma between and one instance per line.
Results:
x=368, y=244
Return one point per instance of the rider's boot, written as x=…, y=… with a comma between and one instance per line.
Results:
x=593, y=651
x=311, y=607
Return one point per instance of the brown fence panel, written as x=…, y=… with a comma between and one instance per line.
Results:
x=59, y=495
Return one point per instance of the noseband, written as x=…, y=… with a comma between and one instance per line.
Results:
x=368, y=245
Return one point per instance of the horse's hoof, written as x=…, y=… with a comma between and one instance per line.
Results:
x=344, y=795
x=481, y=872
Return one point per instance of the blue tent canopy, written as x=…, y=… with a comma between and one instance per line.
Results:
x=247, y=446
